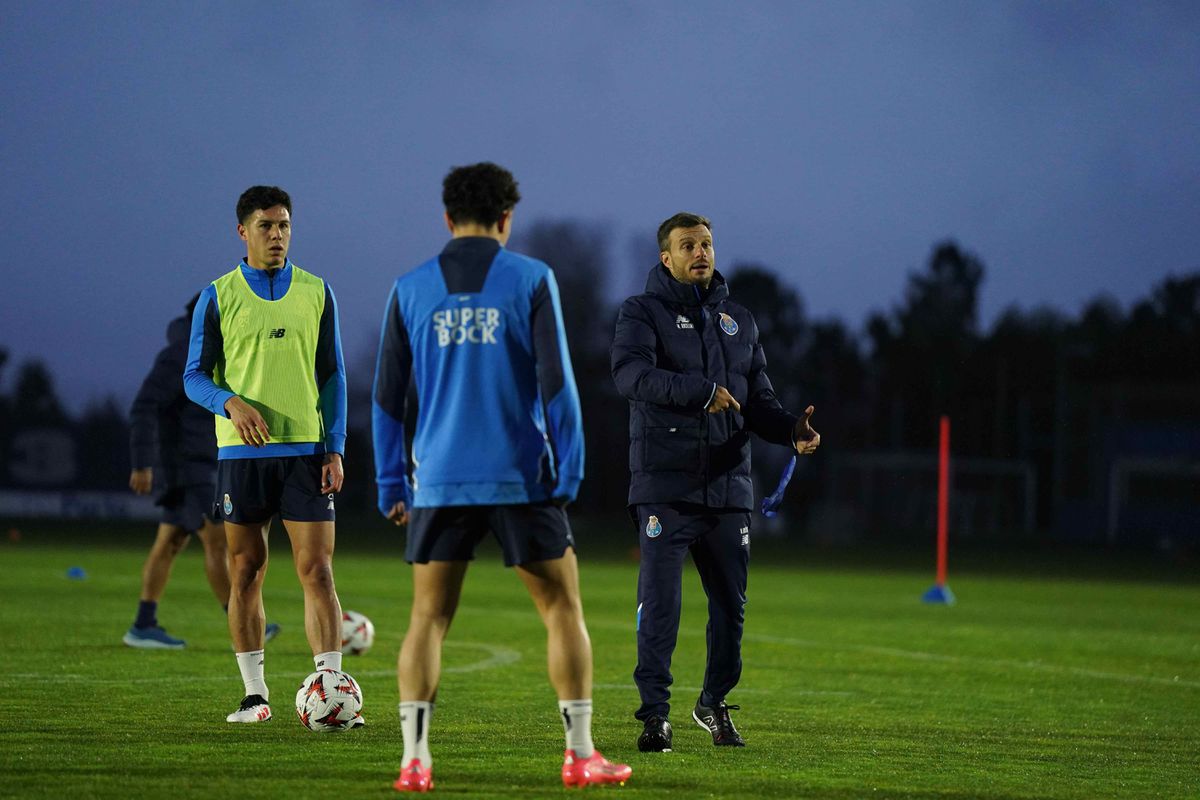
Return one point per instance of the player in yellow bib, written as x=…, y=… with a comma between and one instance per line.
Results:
x=265, y=357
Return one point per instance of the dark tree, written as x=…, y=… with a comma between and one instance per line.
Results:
x=580, y=257
x=34, y=400
x=921, y=352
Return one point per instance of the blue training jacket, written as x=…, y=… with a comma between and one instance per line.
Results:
x=480, y=330
x=206, y=348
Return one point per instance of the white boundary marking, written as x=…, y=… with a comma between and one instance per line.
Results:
x=918, y=655
x=1029, y=664
x=497, y=656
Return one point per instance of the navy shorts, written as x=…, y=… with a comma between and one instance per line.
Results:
x=252, y=490
x=526, y=532
x=187, y=507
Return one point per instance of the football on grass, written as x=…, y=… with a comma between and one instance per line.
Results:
x=329, y=701
x=358, y=634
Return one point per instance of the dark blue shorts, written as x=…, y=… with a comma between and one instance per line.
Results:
x=187, y=507
x=527, y=532
x=252, y=490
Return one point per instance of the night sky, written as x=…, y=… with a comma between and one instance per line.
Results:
x=833, y=142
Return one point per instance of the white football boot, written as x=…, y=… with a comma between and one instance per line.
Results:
x=253, y=709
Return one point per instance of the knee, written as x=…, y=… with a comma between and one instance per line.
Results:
x=316, y=572
x=170, y=544
x=561, y=609
x=246, y=568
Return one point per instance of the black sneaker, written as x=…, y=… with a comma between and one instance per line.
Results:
x=717, y=722
x=656, y=736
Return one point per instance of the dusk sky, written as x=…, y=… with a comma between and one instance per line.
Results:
x=833, y=142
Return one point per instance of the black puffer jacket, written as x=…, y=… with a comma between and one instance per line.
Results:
x=673, y=345
x=167, y=431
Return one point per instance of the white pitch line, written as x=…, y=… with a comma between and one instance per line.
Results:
x=738, y=690
x=496, y=657
x=1038, y=666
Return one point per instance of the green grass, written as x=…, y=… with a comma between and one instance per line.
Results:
x=1029, y=687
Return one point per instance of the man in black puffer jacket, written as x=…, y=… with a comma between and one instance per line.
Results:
x=689, y=361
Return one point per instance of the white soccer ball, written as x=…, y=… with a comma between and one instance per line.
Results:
x=329, y=701
x=358, y=634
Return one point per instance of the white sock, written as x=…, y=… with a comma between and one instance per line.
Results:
x=577, y=722
x=251, y=666
x=330, y=660
x=414, y=724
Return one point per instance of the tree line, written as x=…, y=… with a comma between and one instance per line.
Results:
x=1037, y=386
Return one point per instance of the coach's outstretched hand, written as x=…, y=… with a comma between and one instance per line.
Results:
x=246, y=420
x=398, y=514
x=804, y=438
x=331, y=473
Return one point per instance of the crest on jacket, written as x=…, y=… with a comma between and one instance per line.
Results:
x=728, y=324
x=653, y=527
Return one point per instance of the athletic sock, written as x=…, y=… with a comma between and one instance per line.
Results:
x=251, y=666
x=414, y=724
x=147, y=616
x=330, y=660
x=577, y=722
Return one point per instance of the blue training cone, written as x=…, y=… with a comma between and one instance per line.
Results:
x=939, y=593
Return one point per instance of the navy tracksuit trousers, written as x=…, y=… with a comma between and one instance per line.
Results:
x=720, y=547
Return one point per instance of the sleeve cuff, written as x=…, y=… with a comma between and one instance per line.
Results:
x=390, y=494
x=219, y=402
x=568, y=488
x=711, y=395
x=141, y=458
x=336, y=443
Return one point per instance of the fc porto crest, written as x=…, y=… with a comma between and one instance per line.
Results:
x=653, y=527
x=227, y=506
x=728, y=324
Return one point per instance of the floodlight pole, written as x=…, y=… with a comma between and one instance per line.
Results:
x=940, y=592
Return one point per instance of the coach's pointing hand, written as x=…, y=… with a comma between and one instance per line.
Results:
x=723, y=400
x=804, y=438
x=247, y=422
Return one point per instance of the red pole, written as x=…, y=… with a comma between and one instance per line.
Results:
x=943, y=511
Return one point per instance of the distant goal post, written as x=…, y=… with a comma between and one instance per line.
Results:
x=897, y=489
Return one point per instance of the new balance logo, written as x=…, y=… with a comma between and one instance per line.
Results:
x=276, y=333
x=683, y=323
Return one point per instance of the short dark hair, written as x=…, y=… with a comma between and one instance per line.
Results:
x=261, y=198
x=479, y=193
x=681, y=220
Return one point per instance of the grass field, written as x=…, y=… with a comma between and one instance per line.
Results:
x=1031, y=686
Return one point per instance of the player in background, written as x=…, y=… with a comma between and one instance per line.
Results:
x=266, y=358
x=689, y=361
x=173, y=450
x=498, y=447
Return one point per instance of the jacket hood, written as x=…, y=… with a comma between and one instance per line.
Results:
x=662, y=284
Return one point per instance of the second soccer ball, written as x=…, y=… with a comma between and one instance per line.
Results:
x=358, y=634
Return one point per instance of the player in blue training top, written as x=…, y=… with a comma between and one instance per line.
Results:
x=266, y=360
x=498, y=447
